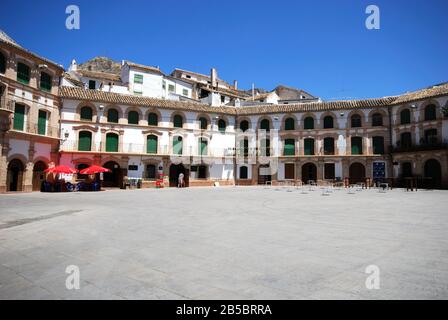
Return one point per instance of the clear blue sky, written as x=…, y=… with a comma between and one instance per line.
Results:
x=320, y=46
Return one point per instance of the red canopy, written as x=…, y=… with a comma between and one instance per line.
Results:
x=61, y=169
x=94, y=169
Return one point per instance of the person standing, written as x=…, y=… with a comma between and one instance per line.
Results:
x=180, y=183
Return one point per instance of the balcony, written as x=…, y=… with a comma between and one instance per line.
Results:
x=5, y=104
x=423, y=146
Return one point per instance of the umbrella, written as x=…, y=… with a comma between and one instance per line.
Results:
x=61, y=169
x=94, y=169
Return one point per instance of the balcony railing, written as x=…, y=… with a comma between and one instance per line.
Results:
x=35, y=128
x=6, y=104
x=424, y=146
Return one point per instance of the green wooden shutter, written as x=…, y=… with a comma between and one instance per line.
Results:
x=221, y=125
x=23, y=73
x=19, y=117
x=405, y=116
x=308, y=123
x=45, y=82
x=177, y=145
x=309, y=147
x=356, y=145
x=152, y=119
x=85, y=141
x=264, y=125
x=203, y=123
x=378, y=145
x=328, y=146
x=289, y=124
x=178, y=121
x=42, y=122
x=86, y=113
x=202, y=146
x=265, y=147
x=133, y=117
x=151, y=144
x=112, y=116
x=289, y=147
x=111, y=142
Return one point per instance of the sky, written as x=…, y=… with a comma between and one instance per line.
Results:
x=320, y=46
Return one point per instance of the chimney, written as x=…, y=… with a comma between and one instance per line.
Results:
x=214, y=77
x=73, y=66
x=235, y=84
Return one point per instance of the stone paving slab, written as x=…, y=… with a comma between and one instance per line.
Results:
x=224, y=243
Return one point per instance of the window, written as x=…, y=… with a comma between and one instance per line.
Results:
x=430, y=112
x=356, y=145
x=377, y=120
x=151, y=144
x=112, y=142
x=178, y=121
x=202, y=146
x=289, y=171
x=244, y=125
x=153, y=119
x=138, y=78
x=42, y=122
x=177, y=145
x=405, y=116
x=151, y=172
x=289, y=124
x=356, y=121
x=406, y=139
x=223, y=99
x=244, y=147
x=378, y=145
x=328, y=146
x=328, y=122
x=112, y=116
x=309, y=146
x=171, y=87
x=85, y=141
x=264, y=124
x=203, y=123
x=308, y=123
x=92, y=84
x=243, y=172
x=329, y=171
x=23, y=73
x=45, y=82
x=185, y=92
x=265, y=147
x=133, y=117
x=431, y=136
x=2, y=63
x=86, y=113
x=221, y=125
x=19, y=117
x=289, y=148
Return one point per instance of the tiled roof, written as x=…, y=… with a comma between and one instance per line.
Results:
x=431, y=92
x=9, y=41
x=99, y=75
x=143, y=67
x=126, y=99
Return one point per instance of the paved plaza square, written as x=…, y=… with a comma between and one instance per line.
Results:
x=224, y=243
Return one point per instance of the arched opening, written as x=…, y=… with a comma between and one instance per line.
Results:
x=309, y=172
x=133, y=117
x=357, y=173
x=289, y=124
x=15, y=175
x=430, y=112
x=328, y=122
x=356, y=121
x=38, y=175
x=175, y=171
x=112, y=115
x=244, y=125
x=433, y=174
x=377, y=120
x=203, y=123
x=265, y=125
x=178, y=121
x=86, y=113
x=153, y=119
x=243, y=172
x=405, y=116
x=113, y=178
x=222, y=125
x=308, y=123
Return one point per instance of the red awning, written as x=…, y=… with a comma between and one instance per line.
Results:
x=94, y=169
x=61, y=169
